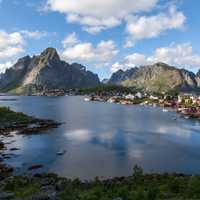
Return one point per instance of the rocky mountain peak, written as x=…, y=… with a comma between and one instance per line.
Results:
x=157, y=77
x=24, y=59
x=79, y=66
x=121, y=75
x=46, y=71
x=50, y=54
x=22, y=62
x=160, y=64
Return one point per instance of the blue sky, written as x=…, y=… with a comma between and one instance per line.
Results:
x=104, y=35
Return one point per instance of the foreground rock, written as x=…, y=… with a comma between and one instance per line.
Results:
x=32, y=126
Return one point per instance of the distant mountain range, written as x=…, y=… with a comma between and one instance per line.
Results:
x=159, y=77
x=47, y=71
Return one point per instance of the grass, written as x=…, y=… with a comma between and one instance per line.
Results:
x=139, y=186
x=9, y=116
x=22, y=187
x=108, y=89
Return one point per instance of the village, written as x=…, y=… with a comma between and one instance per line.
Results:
x=188, y=105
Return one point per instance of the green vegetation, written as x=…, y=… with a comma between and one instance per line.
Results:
x=9, y=116
x=22, y=187
x=11, y=87
x=108, y=89
x=113, y=89
x=136, y=187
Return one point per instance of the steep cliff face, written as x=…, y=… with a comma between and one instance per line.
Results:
x=159, y=77
x=120, y=76
x=14, y=76
x=47, y=71
x=198, y=78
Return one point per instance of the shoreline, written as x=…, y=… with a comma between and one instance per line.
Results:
x=18, y=123
x=149, y=186
x=185, y=112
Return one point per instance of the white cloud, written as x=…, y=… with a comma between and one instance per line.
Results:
x=117, y=66
x=4, y=66
x=93, y=25
x=96, y=16
x=129, y=61
x=34, y=34
x=70, y=40
x=86, y=52
x=136, y=58
x=11, y=44
x=10, y=51
x=139, y=28
x=180, y=55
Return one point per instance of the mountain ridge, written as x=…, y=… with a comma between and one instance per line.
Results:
x=46, y=71
x=159, y=77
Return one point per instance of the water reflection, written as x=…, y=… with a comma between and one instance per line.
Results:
x=80, y=135
x=106, y=139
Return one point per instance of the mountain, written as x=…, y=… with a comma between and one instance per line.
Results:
x=46, y=71
x=198, y=78
x=159, y=77
x=120, y=76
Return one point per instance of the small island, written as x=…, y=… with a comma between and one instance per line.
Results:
x=23, y=124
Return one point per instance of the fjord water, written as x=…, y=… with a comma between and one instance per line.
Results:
x=105, y=140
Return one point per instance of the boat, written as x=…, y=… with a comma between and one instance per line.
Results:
x=111, y=100
x=62, y=152
x=165, y=110
x=186, y=117
x=87, y=99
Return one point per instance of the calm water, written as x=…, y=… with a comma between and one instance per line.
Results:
x=103, y=139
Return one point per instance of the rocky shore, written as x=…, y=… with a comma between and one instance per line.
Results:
x=32, y=126
x=18, y=123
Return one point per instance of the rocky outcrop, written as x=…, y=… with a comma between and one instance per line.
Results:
x=198, y=78
x=14, y=76
x=159, y=77
x=120, y=76
x=46, y=71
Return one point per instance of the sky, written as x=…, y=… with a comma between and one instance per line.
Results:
x=105, y=35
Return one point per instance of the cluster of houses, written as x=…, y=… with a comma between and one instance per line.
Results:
x=189, y=105
x=186, y=104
